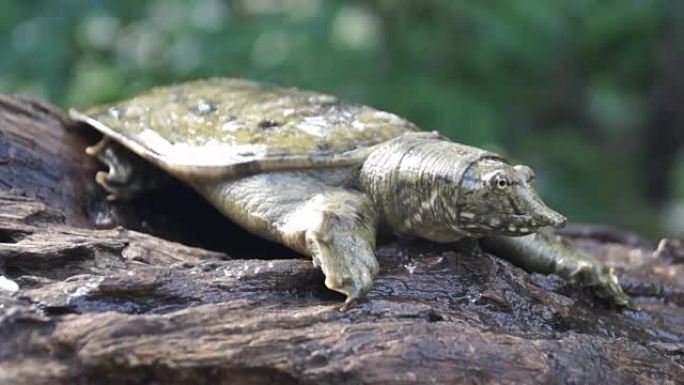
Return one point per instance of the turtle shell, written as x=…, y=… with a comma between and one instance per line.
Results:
x=219, y=126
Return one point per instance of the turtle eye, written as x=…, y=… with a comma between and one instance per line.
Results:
x=501, y=184
x=498, y=179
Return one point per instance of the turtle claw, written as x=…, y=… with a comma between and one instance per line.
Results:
x=354, y=286
x=349, y=303
x=103, y=178
x=609, y=288
x=99, y=147
x=604, y=282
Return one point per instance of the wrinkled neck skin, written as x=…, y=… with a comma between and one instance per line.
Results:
x=442, y=191
x=411, y=182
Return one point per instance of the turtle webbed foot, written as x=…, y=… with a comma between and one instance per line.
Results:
x=604, y=282
x=581, y=268
x=128, y=175
x=343, y=246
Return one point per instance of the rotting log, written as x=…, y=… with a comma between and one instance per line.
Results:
x=152, y=292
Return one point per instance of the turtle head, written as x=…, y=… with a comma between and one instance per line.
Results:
x=497, y=198
x=439, y=190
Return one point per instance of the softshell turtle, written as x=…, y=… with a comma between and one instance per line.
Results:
x=323, y=177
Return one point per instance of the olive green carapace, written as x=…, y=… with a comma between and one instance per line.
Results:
x=322, y=177
x=224, y=122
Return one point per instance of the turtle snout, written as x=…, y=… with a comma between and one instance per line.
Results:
x=559, y=222
x=556, y=220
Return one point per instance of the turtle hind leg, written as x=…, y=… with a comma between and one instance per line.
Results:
x=542, y=253
x=129, y=176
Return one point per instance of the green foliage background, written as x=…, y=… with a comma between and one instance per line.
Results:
x=564, y=86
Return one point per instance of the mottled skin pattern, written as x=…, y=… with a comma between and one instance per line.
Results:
x=323, y=177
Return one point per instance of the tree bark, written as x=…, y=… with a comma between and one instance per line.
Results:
x=119, y=306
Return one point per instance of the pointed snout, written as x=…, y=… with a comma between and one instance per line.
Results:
x=542, y=214
x=555, y=219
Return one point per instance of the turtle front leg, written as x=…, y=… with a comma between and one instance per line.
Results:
x=334, y=225
x=128, y=175
x=341, y=240
x=543, y=253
